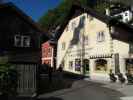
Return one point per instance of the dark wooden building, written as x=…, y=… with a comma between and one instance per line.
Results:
x=20, y=44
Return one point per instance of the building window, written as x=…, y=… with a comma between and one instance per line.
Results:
x=100, y=36
x=49, y=52
x=77, y=64
x=17, y=41
x=130, y=48
x=100, y=65
x=21, y=41
x=63, y=45
x=25, y=41
x=70, y=64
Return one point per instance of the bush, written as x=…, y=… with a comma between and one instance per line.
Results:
x=8, y=79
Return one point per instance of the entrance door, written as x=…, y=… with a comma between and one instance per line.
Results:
x=86, y=67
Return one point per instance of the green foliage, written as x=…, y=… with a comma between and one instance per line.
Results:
x=100, y=7
x=8, y=79
x=56, y=16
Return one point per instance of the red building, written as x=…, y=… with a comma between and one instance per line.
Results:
x=49, y=53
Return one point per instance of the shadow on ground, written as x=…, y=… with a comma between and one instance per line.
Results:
x=51, y=98
x=46, y=86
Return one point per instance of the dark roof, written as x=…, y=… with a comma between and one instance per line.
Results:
x=110, y=21
x=25, y=17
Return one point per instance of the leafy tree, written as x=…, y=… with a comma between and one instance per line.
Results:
x=56, y=16
x=8, y=79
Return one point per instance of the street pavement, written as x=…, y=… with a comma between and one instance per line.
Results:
x=126, y=89
x=84, y=90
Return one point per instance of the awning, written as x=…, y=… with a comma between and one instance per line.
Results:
x=101, y=56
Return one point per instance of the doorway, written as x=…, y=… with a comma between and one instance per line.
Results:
x=86, y=66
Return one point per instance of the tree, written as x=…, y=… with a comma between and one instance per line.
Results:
x=8, y=79
x=56, y=16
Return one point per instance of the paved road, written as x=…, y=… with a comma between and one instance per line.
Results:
x=83, y=90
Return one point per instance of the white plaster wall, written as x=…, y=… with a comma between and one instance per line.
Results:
x=122, y=48
x=66, y=37
x=108, y=46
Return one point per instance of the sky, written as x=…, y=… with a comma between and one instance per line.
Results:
x=35, y=8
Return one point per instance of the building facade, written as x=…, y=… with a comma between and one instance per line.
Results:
x=86, y=47
x=119, y=11
x=48, y=53
x=20, y=45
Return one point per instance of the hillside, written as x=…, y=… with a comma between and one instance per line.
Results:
x=54, y=17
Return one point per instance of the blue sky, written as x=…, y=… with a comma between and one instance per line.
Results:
x=35, y=8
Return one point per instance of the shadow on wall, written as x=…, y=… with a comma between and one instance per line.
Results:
x=50, y=81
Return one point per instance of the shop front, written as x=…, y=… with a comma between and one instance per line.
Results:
x=129, y=65
x=100, y=66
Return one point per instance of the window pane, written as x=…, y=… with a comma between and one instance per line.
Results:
x=100, y=36
x=26, y=41
x=77, y=64
x=17, y=41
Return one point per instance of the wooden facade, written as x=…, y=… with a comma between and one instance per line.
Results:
x=20, y=44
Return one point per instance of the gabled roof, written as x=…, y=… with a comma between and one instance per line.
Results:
x=104, y=18
x=77, y=10
x=25, y=17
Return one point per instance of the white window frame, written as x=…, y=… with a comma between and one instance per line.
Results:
x=100, y=36
x=21, y=40
x=16, y=40
x=28, y=41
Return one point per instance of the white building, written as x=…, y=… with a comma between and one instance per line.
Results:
x=119, y=11
x=86, y=47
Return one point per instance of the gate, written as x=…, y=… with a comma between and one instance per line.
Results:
x=27, y=79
